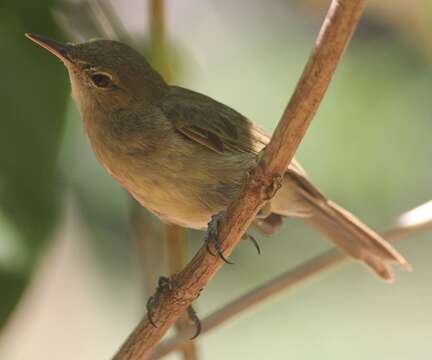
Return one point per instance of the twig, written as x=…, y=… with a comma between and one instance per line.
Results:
x=158, y=38
x=289, y=279
x=148, y=237
x=103, y=22
x=114, y=21
x=176, y=244
x=260, y=185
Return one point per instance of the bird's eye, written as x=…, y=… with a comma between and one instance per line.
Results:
x=101, y=80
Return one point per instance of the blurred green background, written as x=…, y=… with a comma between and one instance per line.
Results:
x=70, y=272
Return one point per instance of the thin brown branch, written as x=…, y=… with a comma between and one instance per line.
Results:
x=147, y=236
x=116, y=24
x=260, y=185
x=176, y=245
x=286, y=281
x=412, y=221
x=158, y=37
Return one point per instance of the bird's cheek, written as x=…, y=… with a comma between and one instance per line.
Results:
x=80, y=92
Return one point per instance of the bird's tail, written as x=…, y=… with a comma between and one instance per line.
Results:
x=299, y=197
x=355, y=239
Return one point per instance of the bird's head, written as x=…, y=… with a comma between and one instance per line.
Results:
x=106, y=73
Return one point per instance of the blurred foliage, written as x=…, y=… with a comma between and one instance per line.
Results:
x=412, y=20
x=33, y=96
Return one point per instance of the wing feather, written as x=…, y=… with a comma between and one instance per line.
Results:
x=212, y=124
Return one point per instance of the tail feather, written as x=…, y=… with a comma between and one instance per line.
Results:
x=299, y=197
x=354, y=238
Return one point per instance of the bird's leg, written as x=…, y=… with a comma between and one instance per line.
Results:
x=265, y=211
x=268, y=225
x=266, y=221
x=212, y=236
x=164, y=284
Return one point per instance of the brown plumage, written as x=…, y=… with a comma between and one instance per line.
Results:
x=183, y=155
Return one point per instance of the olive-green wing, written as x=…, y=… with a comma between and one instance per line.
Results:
x=216, y=126
x=210, y=123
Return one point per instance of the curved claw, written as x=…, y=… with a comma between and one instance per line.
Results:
x=164, y=283
x=193, y=316
x=212, y=236
x=208, y=248
x=254, y=242
x=221, y=255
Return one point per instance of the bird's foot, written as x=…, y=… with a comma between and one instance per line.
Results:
x=164, y=284
x=212, y=236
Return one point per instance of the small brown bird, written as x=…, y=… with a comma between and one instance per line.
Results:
x=183, y=155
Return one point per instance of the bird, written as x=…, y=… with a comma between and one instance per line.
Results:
x=183, y=155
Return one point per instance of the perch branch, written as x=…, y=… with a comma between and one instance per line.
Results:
x=260, y=185
x=294, y=277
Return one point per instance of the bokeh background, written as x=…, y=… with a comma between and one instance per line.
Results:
x=72, y=262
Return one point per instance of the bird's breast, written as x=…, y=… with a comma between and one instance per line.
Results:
x=180, y=181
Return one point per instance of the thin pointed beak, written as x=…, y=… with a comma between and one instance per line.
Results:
x=58, y=49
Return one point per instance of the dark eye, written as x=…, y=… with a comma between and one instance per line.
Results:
x=101, y=80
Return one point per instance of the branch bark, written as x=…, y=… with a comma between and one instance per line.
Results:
x=260, y=185
x=289, y=279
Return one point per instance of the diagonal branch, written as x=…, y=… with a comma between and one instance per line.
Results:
x=294, y=277
x=260, y=185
